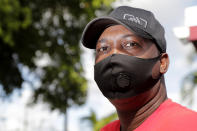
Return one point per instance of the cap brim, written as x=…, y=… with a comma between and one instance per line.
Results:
x=95, y=27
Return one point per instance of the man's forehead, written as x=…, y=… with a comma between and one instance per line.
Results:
x=120, y=30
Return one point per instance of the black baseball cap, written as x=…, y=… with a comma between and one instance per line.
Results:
x=142, y=22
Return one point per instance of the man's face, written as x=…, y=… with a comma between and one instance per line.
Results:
x=119, y=40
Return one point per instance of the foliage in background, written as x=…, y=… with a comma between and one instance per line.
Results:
x=188, y=87
x=189, y=82
x=95, y=123
x=33, y=31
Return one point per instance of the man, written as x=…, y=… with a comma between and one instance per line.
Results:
x=130, y=64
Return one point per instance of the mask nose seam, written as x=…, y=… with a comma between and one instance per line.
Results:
x=111, y=63
x=112, y=68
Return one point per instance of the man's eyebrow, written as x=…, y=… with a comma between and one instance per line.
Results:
x=128, y=35
x=103, y=40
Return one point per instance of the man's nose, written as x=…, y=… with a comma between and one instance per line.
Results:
x=114, y=51
x=115, y=48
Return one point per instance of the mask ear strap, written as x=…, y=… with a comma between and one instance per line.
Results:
x=160, y=74
x=159, y=56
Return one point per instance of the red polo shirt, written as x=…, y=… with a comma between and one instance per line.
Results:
x=169, y=116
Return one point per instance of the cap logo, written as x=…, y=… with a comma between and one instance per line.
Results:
x=135, y=19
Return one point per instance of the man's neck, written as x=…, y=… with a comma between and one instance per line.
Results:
x=136, y=115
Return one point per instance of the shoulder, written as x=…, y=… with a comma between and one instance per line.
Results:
x=172, y=110
x=176, y=110
x=182, y=116
x=113, y=126
x=171, y=116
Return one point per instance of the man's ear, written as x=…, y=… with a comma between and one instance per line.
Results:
x=164, y=63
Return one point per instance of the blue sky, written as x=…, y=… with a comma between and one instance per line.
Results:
x=170, y=13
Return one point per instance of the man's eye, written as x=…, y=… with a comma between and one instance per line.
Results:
x=129, y=45
x=102, y=49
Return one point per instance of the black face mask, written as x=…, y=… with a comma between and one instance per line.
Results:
x=123, y=76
